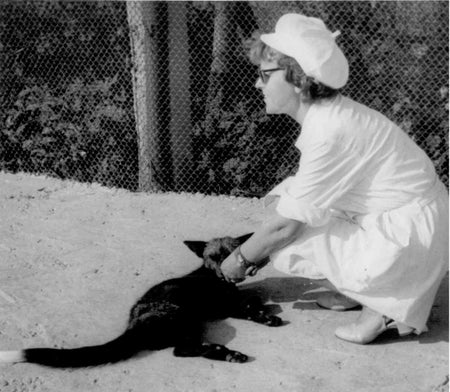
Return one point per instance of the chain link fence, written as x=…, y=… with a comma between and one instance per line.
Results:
x=159, y=96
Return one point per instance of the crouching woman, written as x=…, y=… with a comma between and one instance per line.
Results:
x=366, y=214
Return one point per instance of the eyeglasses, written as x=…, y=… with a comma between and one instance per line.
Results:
x=264, y=74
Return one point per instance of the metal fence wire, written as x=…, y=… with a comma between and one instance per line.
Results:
x=160, y=96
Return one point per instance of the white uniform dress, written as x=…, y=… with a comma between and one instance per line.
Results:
x=376, y=212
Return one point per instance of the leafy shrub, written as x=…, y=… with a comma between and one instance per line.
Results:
x=247, y=153
x=83, y=133
x=66, y=107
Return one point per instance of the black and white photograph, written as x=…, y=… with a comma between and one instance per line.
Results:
x=224, y=196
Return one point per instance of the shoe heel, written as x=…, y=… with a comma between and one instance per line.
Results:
x=402, y=329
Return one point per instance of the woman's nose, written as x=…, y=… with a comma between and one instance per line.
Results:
x=259, y=84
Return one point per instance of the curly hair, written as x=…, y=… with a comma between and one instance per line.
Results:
x=311, y=89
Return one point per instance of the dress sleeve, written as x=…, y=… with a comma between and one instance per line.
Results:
x=326, y=172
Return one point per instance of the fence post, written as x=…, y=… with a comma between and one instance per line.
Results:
x=142, y=21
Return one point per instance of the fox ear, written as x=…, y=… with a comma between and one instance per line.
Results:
x=196, y=246
x=244, y=237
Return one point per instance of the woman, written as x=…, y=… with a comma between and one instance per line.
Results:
x=365, y=215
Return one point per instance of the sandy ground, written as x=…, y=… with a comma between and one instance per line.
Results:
x=74, y=258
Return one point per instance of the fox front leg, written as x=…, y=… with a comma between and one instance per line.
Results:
x=216, y=352
x=252, y=309
x=192, y=345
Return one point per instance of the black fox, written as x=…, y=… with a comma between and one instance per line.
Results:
x=170, y=314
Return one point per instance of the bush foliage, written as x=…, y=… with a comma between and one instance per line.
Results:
x=66, y=105
x=66, y=101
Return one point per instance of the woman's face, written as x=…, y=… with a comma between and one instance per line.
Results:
x=280, y=96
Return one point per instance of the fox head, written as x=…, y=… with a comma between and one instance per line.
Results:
x=215, y=251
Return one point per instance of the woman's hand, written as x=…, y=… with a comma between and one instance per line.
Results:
x=273, y=235
x=232, y=271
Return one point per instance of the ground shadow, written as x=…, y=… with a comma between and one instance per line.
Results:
x=438, y=320
x=301, y=291
x=219, y=332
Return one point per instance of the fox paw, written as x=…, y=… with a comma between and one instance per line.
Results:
x=236, y=357
x=273, y=321
x=221, y=353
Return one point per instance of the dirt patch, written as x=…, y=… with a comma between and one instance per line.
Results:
x=74, y=258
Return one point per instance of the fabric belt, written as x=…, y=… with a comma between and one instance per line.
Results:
x=429, y=196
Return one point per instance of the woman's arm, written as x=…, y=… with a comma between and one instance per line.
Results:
x=273, y=235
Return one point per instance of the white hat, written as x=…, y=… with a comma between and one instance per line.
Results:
x=312, y=45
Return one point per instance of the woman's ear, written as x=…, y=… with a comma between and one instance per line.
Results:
x=297, y=90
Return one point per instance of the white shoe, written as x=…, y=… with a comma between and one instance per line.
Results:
x=368, y=327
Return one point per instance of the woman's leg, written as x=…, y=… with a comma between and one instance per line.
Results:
x=333, y=299
x=367, y=327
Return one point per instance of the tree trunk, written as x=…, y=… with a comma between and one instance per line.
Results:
x=148, y=30
x=180, y=100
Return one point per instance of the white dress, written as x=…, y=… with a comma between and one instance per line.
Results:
x=376, y=213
